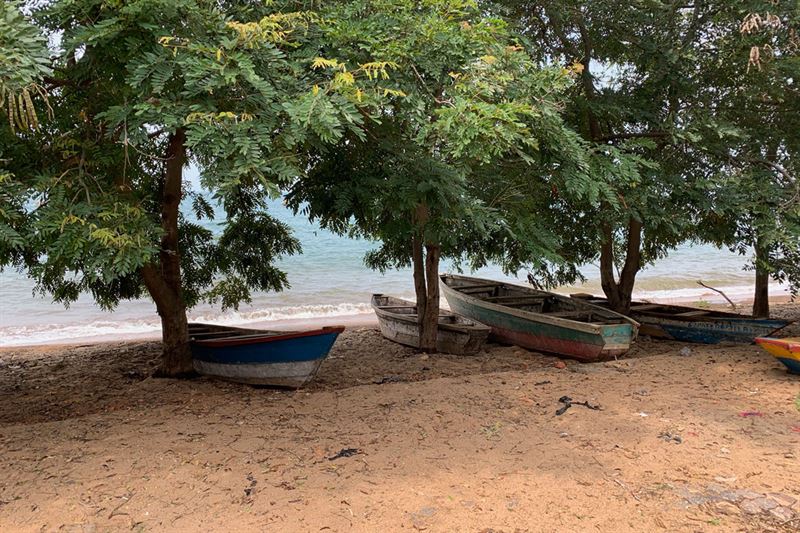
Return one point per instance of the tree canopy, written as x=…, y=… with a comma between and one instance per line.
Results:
x=139, y=90
x=664, y=98
x=463, y=97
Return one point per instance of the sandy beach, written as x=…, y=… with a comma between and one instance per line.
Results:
x=388, y=439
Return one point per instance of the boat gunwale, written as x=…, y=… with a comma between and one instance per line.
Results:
x=586, y=327
x=789, y=344
x=473, y=325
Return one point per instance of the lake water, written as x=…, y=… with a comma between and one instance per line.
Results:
x=330, y=279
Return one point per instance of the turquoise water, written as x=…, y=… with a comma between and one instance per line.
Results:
x=330, y=279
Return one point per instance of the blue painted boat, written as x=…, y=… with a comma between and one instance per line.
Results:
x=691, y=324
x=259, y=357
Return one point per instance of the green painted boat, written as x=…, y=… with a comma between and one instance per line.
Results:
x=541, y=320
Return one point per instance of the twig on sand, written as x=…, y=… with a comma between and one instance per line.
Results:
x=700, y=282
x=127, y=498
x=624, y=486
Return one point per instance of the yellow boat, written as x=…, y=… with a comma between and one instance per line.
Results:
x=787, y=351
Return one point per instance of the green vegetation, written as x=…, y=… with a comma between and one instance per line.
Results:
x=420, y=177
x=533, y=134
x=679, y=115
x=138, y=90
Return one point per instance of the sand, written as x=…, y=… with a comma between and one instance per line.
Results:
x=386, y=439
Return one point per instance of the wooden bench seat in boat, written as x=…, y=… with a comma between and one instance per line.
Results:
x=569, y=314
x=534, y=303
x=692, y=313
x=525, y=297
x=477, y=288
x=645, y=307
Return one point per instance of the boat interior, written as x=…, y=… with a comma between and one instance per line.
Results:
x=535, y=301
x=210, y=331
x=677, y=311
x=408, y=310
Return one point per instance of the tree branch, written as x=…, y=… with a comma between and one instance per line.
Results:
x=641, y=135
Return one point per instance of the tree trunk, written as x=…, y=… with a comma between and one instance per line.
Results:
x=425, y=258
x=633, y=263
x=761, y=296
x=429, y=325
x=620, y=293
x=607, y=279
x=420, y=287
x=163, y=280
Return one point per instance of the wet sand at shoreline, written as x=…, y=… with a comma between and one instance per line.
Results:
x=388, y=439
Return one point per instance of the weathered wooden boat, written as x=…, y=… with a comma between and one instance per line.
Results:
x=787, y=351
x=690, y=324
x=456, y=335
x=541, y=320
x=259, y=357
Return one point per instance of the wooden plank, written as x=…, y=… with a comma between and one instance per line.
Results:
x=564, y=314
x=519, y=297
x=645, y=307
x=218, y=332
x=478, y=291
x=520, y=304
x=478, y=286
x=693, y=313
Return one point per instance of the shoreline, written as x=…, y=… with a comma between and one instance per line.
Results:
x=349, y=321
x=361, y=320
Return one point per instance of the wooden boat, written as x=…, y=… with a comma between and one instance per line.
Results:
x=259, y=357
x=457, y=334
x=787, y=351
x=690, y=324
x=541, y=320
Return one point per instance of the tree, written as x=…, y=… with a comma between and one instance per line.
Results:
x=690, y=110
x=139, y=90
x=755, y=75
x=462, y=97
x=635, y=106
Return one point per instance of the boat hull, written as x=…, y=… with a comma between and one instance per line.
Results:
x=455, y=339
x=787, y=351
x=612, y=342
x=583, y=342
x=278, y=360
x=689, y=324
x=711, y=331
